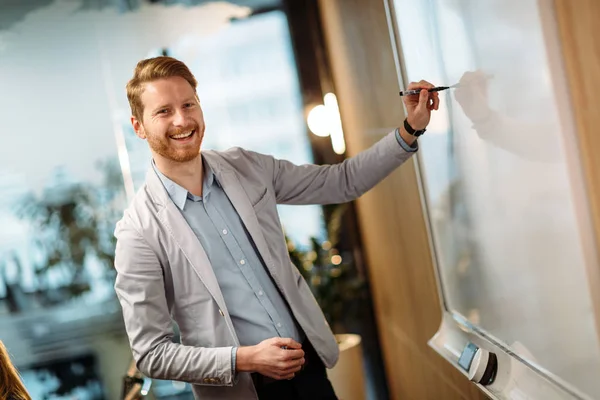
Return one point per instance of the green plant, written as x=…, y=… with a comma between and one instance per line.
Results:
x=72, y=225
x=332, y=277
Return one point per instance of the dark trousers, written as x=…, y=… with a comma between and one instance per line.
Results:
x=311, y=383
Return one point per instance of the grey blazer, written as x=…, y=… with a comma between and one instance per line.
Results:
x=163, y=273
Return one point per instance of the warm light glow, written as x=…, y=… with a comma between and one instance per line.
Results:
x=324, y=120
x=336, y=260
x=318, y=121
x=335, y=125
x=307, y=265
x=326, y=245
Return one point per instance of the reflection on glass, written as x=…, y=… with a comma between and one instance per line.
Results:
x=499, y=190
x=70, y=161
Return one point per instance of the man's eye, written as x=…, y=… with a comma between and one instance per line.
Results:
x=163, y=111
x=188, y=105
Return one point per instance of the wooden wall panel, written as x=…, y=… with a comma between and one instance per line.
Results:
x=579, y=30
x=391, y=219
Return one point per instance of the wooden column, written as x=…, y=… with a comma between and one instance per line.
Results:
x=579, y=29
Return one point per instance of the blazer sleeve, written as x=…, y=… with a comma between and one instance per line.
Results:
x=140, y=288
x=333, y=184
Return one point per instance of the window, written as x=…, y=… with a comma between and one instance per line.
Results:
x=69, y=159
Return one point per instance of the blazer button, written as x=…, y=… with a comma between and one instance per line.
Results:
x=222, y=313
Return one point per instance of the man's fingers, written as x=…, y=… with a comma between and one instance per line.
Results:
x=423, y=99
x=420, y=85
x=297, y=363
x=431, y=105
x=292, y=355
x=412, y=86
x=287, y=342
x=425, y=84
x=289, y=365
x=286, y=369
x=281, y=375
x=436, y=100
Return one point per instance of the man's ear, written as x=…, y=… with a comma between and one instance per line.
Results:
x=138, y=127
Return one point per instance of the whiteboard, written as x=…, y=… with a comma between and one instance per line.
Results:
x=501, y=177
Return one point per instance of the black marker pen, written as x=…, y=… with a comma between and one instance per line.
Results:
x=439, y=88
x=417, y=91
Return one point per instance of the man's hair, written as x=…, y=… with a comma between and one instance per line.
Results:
x=149, y=70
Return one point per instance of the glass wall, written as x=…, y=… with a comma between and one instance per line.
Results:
x=70, y=162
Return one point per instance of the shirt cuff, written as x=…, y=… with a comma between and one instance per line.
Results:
x=408, y=148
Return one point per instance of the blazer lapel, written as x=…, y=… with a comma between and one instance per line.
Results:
x=238, y=197
x=186, y=239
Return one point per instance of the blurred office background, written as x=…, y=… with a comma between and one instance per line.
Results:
x=70, y=162
x=271, y=73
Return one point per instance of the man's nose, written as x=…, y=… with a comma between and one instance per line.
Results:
x=179, y=118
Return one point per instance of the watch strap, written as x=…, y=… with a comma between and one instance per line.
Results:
x=411, y=130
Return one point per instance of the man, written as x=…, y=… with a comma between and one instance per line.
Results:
x=202, y=244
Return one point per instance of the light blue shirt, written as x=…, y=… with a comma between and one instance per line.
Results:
x=409, y=148
x=257, y=308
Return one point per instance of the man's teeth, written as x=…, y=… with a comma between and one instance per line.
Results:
x=183, y=135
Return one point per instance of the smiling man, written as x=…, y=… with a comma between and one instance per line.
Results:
x=202, y=244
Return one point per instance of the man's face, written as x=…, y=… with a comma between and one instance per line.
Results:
x=172, y=121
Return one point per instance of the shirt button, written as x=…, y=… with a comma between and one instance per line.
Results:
x=224, y=231
x=242, y=262
x=260, y=293
x=279, y=324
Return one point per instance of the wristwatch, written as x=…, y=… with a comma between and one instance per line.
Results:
x=410, y=130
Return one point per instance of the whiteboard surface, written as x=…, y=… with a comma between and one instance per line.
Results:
x=500, y=172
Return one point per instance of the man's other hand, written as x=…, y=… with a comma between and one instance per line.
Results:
x=277, y=358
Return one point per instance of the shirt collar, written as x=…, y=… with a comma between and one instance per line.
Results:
x=178, y=193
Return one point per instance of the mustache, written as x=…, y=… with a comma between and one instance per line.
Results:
x=187, y=128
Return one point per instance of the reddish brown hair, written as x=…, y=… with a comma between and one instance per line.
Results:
x=150, y=70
